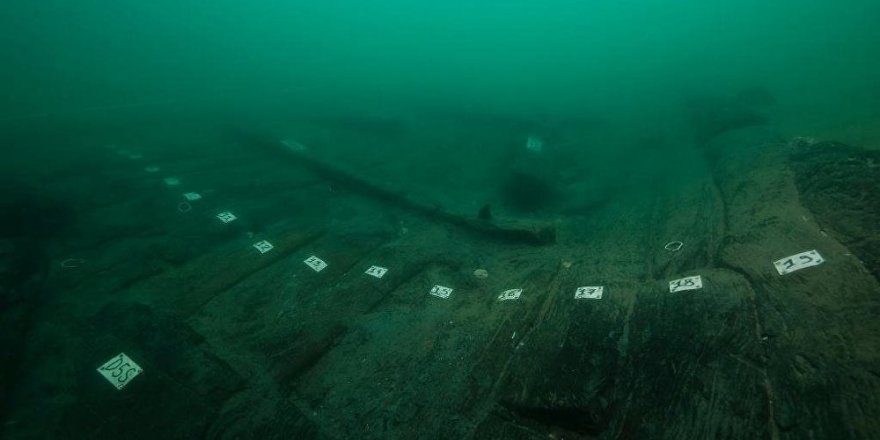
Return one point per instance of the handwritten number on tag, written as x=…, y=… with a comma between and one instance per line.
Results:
x=120, y=369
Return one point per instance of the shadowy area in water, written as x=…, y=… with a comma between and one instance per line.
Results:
x=29, y=221
x=527, y=192
x=711, y=116
x=374, y=126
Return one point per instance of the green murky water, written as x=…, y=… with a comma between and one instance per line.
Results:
x=388, y=219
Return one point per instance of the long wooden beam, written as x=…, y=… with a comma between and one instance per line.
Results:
x=507, y=230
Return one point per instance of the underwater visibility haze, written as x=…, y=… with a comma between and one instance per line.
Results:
x=517, y=219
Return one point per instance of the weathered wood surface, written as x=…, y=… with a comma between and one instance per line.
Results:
x=236, y=344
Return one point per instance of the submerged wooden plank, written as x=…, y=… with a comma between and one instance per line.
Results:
x=508, y=230
x=185, y=290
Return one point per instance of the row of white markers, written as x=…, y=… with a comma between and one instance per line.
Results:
x=120, y=370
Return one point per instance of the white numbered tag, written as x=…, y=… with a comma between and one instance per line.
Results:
x=441, y=291
x=192, y=197
x=510, y=294
x=172, y=181
x=152, y=169
x=376, y=271
x=315, y=263
x=263, y=246
x=798, y=261
x=589, y=292
x=687, y=283
x=120, y=370
x=226, y=217
x=534, y=144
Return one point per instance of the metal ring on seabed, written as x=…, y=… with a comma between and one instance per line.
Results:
x=673, y=246
x=71, y=263
x=184, y=207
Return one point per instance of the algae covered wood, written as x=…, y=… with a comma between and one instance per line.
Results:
x=529, y=232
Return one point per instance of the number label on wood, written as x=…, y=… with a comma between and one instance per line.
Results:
x=226, y=217
x=509, y=295
x=192, y=196
x=120, y=370
x=376, y=271
x=315, y=263
x=589, y=292
x=687, y=283
x=263, y=246
x=441, y=291
x=798, y=261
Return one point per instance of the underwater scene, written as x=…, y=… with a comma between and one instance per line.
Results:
x=497, y=219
